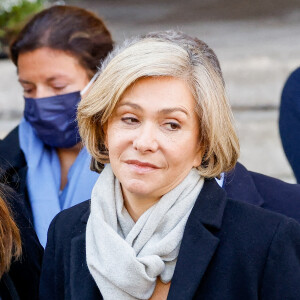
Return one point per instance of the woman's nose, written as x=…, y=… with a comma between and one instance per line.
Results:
x=146, y=139
x=42, y=92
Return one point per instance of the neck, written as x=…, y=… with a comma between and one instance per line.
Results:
x=137, y=205
x=67, y=156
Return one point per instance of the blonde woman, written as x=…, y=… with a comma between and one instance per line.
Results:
x=159, y=127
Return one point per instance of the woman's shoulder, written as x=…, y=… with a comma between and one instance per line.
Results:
x=253, y=215
x=67, y=225
x=74, y=214
x=248, y=212
x=70, y=219
x=268, y=242
x=252, y=223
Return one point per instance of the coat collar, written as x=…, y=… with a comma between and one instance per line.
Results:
x=198, y=244
x=86, y=215
x=13, y=161
x=240, y=186
x=197, y=248
x=82, y=284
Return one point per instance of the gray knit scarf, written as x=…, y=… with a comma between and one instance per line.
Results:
x=125, y=258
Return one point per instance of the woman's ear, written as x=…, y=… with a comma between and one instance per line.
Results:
x=197, y=160
x=104, y=128
x=198, y=157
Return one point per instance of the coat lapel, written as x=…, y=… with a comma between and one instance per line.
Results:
x=198, y=244
x=82, y=285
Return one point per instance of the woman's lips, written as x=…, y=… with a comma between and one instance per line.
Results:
x=141, y=167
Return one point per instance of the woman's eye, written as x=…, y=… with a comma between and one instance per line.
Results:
x=59, y=88
x=27, y=92
x=130, y=120
x=172, y=126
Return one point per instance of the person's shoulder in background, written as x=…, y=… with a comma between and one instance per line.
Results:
x=289, y=121
x=13, y=169
x=264, y=191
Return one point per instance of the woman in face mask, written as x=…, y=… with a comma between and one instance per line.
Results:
x=56, y=54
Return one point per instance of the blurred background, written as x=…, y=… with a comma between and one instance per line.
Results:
x=256, y=41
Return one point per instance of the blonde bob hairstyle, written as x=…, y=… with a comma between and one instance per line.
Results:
x=172, y=54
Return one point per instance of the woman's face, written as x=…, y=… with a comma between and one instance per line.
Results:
x=46, y=72
x=152, y=137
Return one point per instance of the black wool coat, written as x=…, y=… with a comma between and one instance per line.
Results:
x=21, y=282
x=230, y=251
x=240, y=184
x=14, y=167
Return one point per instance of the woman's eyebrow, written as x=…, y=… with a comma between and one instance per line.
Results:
x=133, y=105
x=163, y=111
x=166, y=111
x=24, y=81
x=53, y=78
x=48, y=79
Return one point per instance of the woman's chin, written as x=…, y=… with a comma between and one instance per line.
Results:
x=139, y=189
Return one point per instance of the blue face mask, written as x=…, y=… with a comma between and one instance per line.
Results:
x=54, y=119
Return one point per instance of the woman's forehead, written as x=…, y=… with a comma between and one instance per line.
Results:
x=166, y=94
